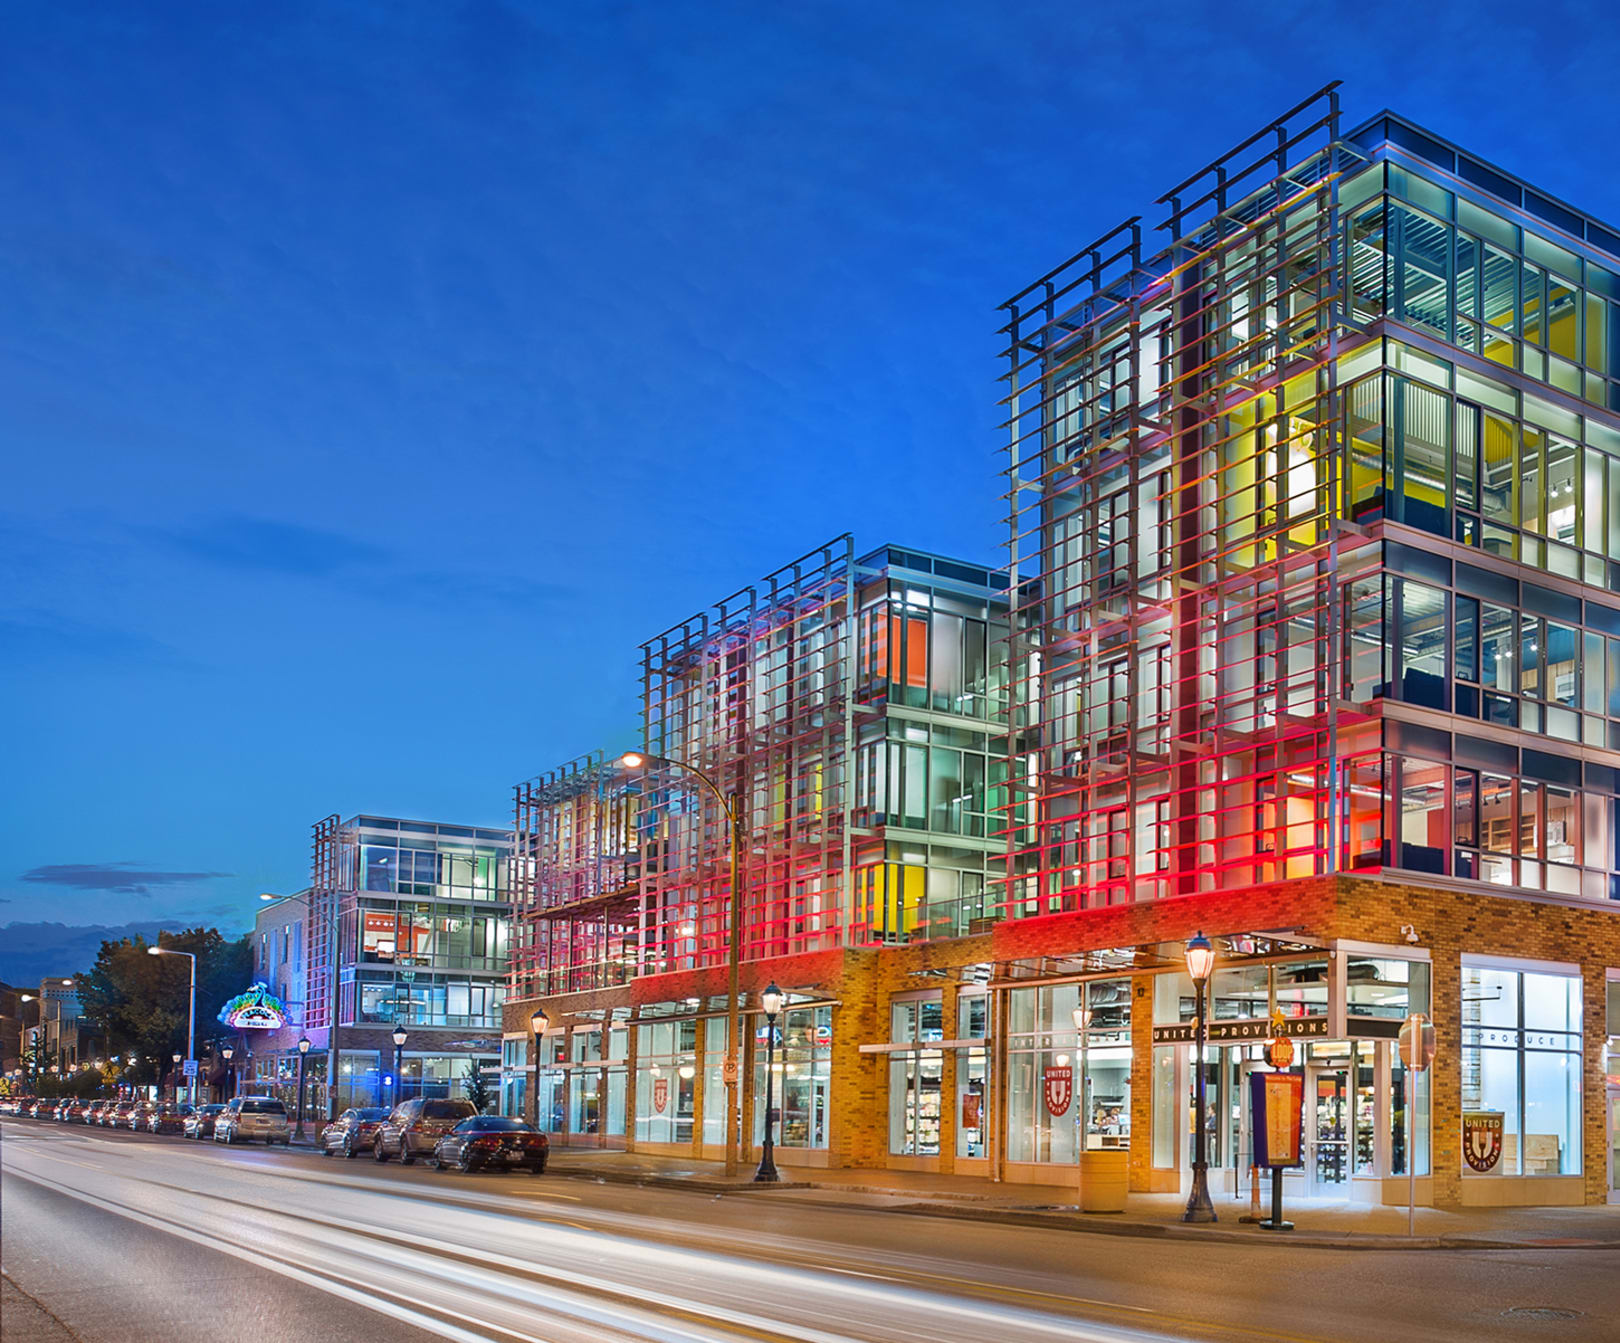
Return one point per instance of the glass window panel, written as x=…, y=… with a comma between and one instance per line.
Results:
x=1423, y=644
x=1467, y=639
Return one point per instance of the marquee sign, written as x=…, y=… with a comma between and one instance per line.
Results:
x=1230, y=1031
x=1059, y=1089
x=1482, y=1139
x=256, y=1010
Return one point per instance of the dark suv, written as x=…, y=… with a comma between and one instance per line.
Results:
x=415, y=1126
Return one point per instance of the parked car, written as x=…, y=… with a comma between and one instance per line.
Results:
x=491, y=1142
x=92, y=1111
x=25, y=1107
x=72, y=1112
x=168, y=1119
x=115, y=1116
x=137, y=1118
x=353, y=1132
x=200, y=1122
x=415, y=1126
x=253, y=1118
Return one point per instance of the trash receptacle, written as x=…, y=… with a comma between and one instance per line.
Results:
x=1104, y=1180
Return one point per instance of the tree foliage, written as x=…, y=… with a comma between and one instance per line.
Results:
x=476, y=1086
x=138, y=1001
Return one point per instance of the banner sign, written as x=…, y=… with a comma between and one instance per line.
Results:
x=1220, y=1031
x=972, y=1110
x=1482, y=1139
x=660, y=1094
x=1276, y=1104
x=1059, y=1089
x=256, y=1010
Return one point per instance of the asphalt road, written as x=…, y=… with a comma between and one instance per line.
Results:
x=126, y=1238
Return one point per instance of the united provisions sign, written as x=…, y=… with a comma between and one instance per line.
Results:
x=1226, y=1031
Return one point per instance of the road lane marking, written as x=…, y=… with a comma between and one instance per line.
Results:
x=964, y=1290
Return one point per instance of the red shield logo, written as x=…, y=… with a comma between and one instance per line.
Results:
x=1059, y=1089
x=660, y=1094
x=1482, y=1138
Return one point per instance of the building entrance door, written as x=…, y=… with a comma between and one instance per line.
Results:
x=1327, y=1130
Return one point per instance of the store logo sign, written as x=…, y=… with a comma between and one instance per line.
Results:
x=1059, y=1089
x=660, y=1094
x=256, y=1010
x=1482, y=1139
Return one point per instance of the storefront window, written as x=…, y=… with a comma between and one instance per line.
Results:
x=915, y=1079
x=1521, y=1072
x=803, y=1076
x=1384, y=989
x=666, y=1081
x=972, y=1023
x=714, y=1082
x=1059, y=1077
x=515, y=1078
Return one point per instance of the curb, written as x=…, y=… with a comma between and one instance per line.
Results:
x=1101, y=1226
x=649, y=1180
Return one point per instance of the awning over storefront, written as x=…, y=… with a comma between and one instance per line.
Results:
x=1231, y=949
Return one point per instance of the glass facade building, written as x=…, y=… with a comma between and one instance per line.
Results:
x=421, y=912
x=1309, y=639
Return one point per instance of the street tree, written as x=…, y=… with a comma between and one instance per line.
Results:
x=139, y=1001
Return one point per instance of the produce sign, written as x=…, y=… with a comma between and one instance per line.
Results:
x=256, y=1010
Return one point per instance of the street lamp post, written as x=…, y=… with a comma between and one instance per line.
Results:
x=174, y=1079
x=731, y=806
x=771, y=1001
x=538, y=1023
x=1200, y=961
x=399, y=1064
x=303, y=1053
x=230, y=1072
x=191, y=1018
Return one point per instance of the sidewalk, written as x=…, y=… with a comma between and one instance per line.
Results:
x=1318, y=1223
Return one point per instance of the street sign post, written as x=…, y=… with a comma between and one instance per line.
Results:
x=1416, y=1045
x=191, y=1068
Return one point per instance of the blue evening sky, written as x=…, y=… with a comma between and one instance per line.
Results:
x=377, y=377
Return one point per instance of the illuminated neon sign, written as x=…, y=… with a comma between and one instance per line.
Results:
x=256, y=1010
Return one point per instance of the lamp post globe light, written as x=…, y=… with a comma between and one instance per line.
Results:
x=303, y=1053
x=771, y=1001
x=1200, y=962
x=537, y=1024
x=731, y=806
x=399, y=1064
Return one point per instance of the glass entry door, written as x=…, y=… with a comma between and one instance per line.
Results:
x=1327, y=1130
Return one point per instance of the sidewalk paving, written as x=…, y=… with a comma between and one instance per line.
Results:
x=1318, y=1222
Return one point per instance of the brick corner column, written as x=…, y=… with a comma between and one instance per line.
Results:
x=1140, y=1160
x=1445, y=1077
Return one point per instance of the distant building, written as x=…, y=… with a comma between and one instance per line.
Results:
x=423, y=918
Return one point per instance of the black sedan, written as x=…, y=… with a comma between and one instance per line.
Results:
x=492, y=1142
x=354, y=1131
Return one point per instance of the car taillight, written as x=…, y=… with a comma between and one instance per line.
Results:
x=486, y=1142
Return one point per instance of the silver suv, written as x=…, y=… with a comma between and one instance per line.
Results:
x=248, y=1118
x=415, y=1126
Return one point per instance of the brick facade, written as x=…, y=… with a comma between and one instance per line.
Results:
x=1449, y=923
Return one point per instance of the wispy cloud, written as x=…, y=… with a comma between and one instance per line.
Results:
x=484, y=589
x=123, y=878
x=246, y=543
